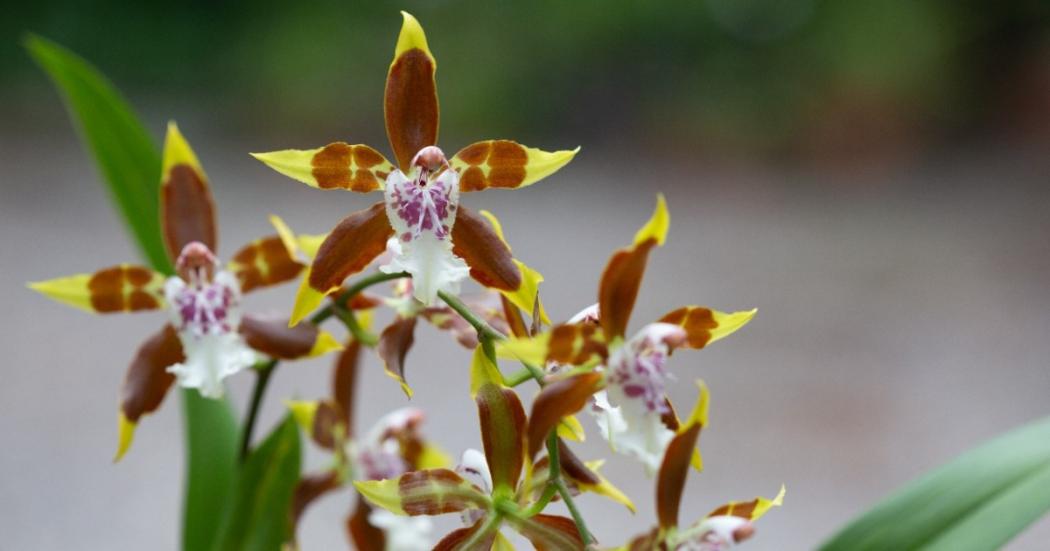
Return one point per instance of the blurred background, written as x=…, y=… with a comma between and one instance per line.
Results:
x=872, y=176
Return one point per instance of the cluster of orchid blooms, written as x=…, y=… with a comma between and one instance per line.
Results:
x=424, y=241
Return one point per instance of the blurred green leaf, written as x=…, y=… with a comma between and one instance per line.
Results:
x=211, y=448
x=979, y=501
x=259, y=517
x=126, y=155
x=130, y=165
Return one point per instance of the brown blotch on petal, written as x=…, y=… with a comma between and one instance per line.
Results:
x=281, y=266
x=275, y=338
x=515, y=321
x=328, y=420
x=490, y=260
x=331, y=166
x=574, y=467
x=619, y=287
x=366, y=157
x=472, y=179
x=476, y=153
x=364, y=181
x=350, y=247
x=552, y=533
x=187, y=210
x=506, y=177
x=671, y=480
x=138, y=276
x=456, y=538
x=506, y=153
x=411, y=105
x=147, y=380
x=141, y=300
x=107, y=289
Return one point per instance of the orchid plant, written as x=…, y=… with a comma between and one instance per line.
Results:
x=425, y=243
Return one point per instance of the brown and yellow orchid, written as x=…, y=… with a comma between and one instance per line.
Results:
x=498, y=487
x=720, y=529
x=435, y=239
x=392, y=447
x=208, y=337
x=626, y=376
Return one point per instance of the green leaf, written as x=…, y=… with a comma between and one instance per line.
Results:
x=259, y=517
x=123, y=150
x=130, y=165
x=211, y=455
x=979, y=501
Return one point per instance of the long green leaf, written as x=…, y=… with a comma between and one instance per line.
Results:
x=129, y=162
x=123, y=150
x=977, y=502
x=211, y=444
x=259, y=517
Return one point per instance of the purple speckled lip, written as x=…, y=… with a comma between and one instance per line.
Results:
x=204, y=308
x=427, y=202
x=641, y=374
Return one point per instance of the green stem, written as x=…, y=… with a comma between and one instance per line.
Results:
x=335, y=307
x=519, y=377
x=492, y=522
x=487, y=335
x=262, y=379
x=554, y=460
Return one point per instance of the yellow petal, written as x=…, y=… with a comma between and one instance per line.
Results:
x=730, y=323
x=433, y=457
x=483, y=371
x=120, y=288
x=531, y=350
x=177, y=151
x=286, y=234
x=606, y=488
x=411, y=37
x=505, y=164
x=303, y=411
x=307, y=299
x=382, y=493
x=324, y=344
x=571, y=429
x=125, y=434
x=339, y=165
x=657, y=226
x=524, y=297
x=72, y=290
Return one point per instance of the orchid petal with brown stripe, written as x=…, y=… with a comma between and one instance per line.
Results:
x=490, y=260
x=344, y=383
x=187, y=210
x=350, y=247
x=121, y=288
x=749, y=510
x=264, y=262
x=550, y=532
x=339, y=165
x=704, y=326
x=570, y=344
x=505, y=164
x=681, y=453
x=502, y=420
x=557, y=400
x=425, y=492
x=147, y=382
x=410, y=103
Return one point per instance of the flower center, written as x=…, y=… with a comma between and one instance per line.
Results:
x=638, y=368
x=204, y=299
x=427, y=202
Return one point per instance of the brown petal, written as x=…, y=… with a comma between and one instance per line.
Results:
x=147, y=380
x=410, y=104
x=574, y=467
x=436, y=492
x=490, y=260
x=308, y=489
x=344, y=383
x=264, y=262
x=515, y=321
x=619, y=287
x=363, y=535
x=648, y=542
x=350, y=247
x=394, y=344
x=274, y=338
x=671, y=480
x=455, y=539
x=502, y=421
x=187, y=209
x=556, y=400
x=505, y=164
x=327, y=423
x=551, y=533
x=576, y=344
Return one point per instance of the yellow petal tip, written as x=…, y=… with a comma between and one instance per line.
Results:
x=657, y=226
x=177, y=150
x=125, y=434
x=324, y=344
x=307, y=299
x=411, y=36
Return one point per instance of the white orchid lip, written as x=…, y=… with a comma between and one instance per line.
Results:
x=205, y=309
x=421, y=207
x=380, y=456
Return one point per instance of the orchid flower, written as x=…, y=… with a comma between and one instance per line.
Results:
x=719, y=530
x=492, y=489
x=438, y=241
x=626, y=376
x=208, y=337
x=392, y=447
